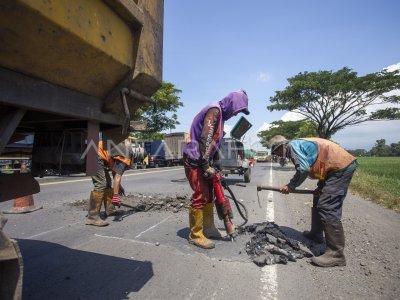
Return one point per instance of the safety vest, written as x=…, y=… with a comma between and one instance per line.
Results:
x=103, y=154
x=331, y=157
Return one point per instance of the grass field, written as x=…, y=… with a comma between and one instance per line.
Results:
x=378, y=179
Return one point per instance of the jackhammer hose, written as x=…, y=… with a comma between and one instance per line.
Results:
x=240, y=206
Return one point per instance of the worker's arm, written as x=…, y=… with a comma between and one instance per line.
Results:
x=207, y=142
x=118, y=170
x=301, y=171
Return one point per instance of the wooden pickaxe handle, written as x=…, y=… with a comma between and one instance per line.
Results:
x=275, y=189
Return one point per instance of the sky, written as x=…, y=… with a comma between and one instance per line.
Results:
x=214, y=47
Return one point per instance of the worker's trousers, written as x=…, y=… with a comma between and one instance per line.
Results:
x=334, y=191
x=202, y=188
x=102, y=179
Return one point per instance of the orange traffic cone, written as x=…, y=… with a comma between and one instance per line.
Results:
x=23, y=205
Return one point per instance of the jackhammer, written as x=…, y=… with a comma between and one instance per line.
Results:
x=223, y=205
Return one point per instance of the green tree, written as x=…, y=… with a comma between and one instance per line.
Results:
x=165, y=118
x=290, y=130
x=380, y=149
x=358, y=152
x=335, y=100
x=390, y=113
x=395, y=149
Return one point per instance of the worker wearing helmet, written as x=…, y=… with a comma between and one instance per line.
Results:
x=200, y=150
x=333, y=167
x=117, y=159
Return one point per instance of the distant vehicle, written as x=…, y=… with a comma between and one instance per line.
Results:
x=139, y=154
x=174, y=148
x=156, y=161
x=156, y=153
x=232, y=155
x=262, y=156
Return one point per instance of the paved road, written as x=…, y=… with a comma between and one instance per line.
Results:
x=146, y=255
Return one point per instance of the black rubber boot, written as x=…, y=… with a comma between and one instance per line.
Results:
x=333, y=255
x=315, y=234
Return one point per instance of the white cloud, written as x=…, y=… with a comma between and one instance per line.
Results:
x=292, y=116
x=263, y=77
x=365, y=135
x=392, y=68
x=264, y=126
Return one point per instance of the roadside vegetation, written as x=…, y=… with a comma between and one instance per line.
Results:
x=378, y=179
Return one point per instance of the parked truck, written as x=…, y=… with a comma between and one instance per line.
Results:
x=156, y=153
x=67, y=67
x=174, y=148
x=232, y=154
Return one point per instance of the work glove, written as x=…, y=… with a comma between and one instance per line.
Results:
x=209, y=173
x=116, y=201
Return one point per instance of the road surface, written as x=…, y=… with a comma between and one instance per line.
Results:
x=146, y=254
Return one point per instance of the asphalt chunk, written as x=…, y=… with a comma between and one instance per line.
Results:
x=269, y=245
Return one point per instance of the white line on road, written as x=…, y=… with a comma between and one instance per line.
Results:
x=125, y=175
x=48, y=231
x=152, y=227
x=123, y=239
x=269, y=273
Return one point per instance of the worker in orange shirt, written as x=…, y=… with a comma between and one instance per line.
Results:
x=117, y=160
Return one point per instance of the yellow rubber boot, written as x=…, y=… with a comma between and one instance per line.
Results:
x=196, y=236
x=108, y=207
x=209, y=229
x=95, y=201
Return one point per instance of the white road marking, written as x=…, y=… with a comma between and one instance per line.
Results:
x=48, y=231
x=125, y=175
x=269, y=273
x=152, y=227
x=123, y=239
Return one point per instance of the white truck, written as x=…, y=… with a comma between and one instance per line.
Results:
x=231, y=154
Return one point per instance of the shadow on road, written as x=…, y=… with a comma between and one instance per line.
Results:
x=316, y=249
x=183, y=233
x=53, y=271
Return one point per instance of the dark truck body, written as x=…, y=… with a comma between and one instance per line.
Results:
x=156, y=153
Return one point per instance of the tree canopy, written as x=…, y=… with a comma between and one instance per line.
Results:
x=335, y=100
x=379, y=149
x=290, y=130
x=165, y=118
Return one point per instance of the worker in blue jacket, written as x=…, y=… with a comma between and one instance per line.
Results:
x=333, y=167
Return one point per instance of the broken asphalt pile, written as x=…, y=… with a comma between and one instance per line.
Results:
x=269, y=245
x=140, y=202
x=157, y=202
